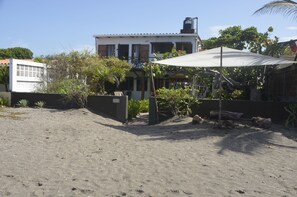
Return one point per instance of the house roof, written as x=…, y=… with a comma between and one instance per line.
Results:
x=145, y=35
x=6, y=61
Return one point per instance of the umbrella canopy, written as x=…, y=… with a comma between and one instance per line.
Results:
x=230, y=57
x=222, y=57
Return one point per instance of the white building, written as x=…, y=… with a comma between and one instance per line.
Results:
x=140, y=48
x=26, y=76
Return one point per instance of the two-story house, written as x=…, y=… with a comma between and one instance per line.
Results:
x=141, y=48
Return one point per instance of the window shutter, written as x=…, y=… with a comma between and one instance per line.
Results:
x=144, y=53
x=102, y=50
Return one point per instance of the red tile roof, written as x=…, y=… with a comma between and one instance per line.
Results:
x=6, y=61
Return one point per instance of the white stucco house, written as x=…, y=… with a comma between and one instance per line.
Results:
x=25, y=75
x=141, y=48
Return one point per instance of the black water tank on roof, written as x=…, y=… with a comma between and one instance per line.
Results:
x=188, y=26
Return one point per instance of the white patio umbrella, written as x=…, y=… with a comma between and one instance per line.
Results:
x=223, y=57
x=231, y=58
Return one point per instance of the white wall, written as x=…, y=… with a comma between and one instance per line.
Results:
x=24, y=75
x=145, y=39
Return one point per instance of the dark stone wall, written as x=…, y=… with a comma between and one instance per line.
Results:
x=282, y=84
x=115, y=107
x=56, y=101
x=265, y=109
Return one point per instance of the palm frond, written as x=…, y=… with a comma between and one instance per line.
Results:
x=285, y=7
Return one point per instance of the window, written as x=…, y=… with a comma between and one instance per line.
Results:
x=184, y=46
x=139, y=84
x=135, y=53
x=106, y=50
x=127, y=84
x=29, y=71
x=140, y=53
x=110, y=50
x=162, y=47
x=123, y=52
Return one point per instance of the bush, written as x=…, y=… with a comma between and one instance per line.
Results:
x=77, y=99
x=3, y=102
x=144, y=105
x=23, y=103
x=177, y=101
x=39, y=104
x=76, y=92
x=292, y=118
x=133, y=108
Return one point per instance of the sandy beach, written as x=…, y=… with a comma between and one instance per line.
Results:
x=47, y=152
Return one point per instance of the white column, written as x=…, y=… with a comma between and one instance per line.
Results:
x=130, y=54
x=116, y=50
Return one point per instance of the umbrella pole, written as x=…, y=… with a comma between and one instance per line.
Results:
x=155, y=95
x=220, y=86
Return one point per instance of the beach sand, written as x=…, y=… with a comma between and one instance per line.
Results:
x=47, y=152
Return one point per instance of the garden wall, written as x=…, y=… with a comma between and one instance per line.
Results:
x=116, y=107
x=281, y=85
x=265, y=109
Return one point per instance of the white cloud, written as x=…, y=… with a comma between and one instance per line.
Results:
x=292, y=28
x=215, y=29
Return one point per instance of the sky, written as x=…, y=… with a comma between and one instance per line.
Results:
x=48, y=27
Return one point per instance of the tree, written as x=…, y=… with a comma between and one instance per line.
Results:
x=71, y=65
x=237, y=38
x=248, y=39
x=163, y=70
x=100, y=71
x=4, y=76
x=83, y=71
x=16, y=52
x=285, y=7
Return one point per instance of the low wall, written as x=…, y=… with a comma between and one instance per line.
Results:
x=265, y=109
x=116, y=107
x=55, y=101
x=113, y=106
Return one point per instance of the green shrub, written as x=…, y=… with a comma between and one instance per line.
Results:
x=23, y=103
x=292, y=118
x=39, y=104
x=234, y=95
x=144, y=105
x=3, y=102
x=133, y=108
x=76, y=99
x=177, y=101
x=65, y=86
x=75, y=91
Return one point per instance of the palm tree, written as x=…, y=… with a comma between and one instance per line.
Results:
x=285, y=7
